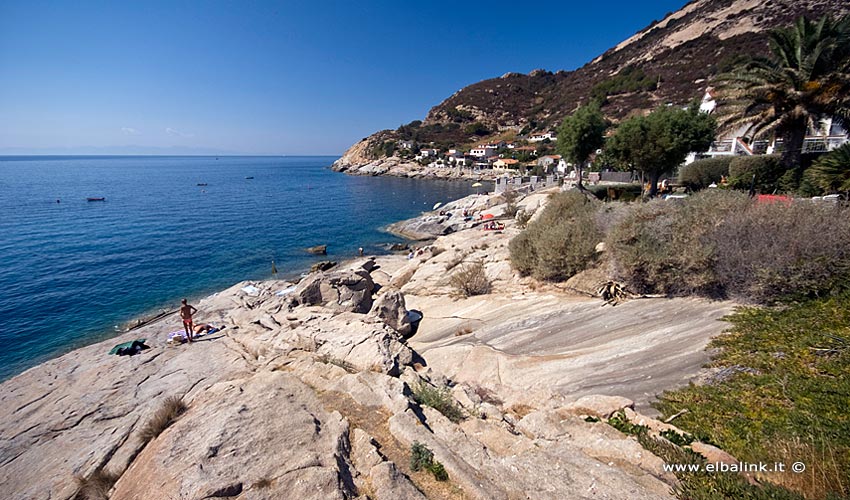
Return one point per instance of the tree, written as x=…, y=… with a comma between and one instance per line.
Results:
x=657, y=143
x=807, y=79
x=831, y=172
x=580, y=135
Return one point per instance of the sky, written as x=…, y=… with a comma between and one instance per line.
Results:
x=263, y=77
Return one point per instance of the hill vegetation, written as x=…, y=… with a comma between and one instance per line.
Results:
x=672, y=60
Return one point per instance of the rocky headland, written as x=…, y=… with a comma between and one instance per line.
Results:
x=315, y=389
x=396, y=167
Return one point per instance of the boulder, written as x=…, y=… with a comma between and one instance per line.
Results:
x=364, y=454
x=322, y=266
x=390, y=308
x=599, y=406
x=403, y=275
x=317, y=250
x=713, y=454
x=388, y=482
x=267, y=429
x=340, y=291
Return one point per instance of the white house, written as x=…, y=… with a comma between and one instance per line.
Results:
x=542, y=137
x=428, y=153
x=547, y=160
x=406, y=144
x=826, y=136
x=483, y=151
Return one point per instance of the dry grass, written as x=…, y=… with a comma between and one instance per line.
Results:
x=823, y=475
x=463, y=331
x=263, y=483
x=487, y=396
x=520, y=410
x=166, y=415
x=345, y=365
x=454, y=261
x=96, y=486
x=471, y=280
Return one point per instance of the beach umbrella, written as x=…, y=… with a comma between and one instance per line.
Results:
x=476, y=186
x=437, y=205
x=488, y=216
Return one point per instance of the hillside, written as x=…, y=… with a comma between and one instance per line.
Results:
x=670, y=61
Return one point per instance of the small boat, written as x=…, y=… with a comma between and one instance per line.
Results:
x=251, y=177
x=95, y=199
x=203, y=184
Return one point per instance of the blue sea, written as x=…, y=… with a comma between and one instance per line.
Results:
x=72, y=270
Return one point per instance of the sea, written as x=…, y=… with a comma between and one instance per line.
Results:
x=73, y=271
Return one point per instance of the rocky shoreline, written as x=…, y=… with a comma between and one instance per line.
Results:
x=315, y=389
x=396, y=167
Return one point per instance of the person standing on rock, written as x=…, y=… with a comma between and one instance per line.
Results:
x=186, y=312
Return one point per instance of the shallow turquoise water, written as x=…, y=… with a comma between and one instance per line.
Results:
x=71, y=271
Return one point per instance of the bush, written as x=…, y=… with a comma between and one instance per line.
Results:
x=701, y=173
x=96, y=486
x=170, y=410
x=667, y=246
x=831, y=172
x=476, y=128
x=471, y=280
x=421, y=458
x=766, y=168
x=439, y=399
x=780, y=252
x=510, y=196
x=561, y=243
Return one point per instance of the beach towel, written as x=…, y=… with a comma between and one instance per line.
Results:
x=176, y=337
x=129, y=348
x=250, y=290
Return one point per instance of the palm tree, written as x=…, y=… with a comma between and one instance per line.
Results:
x=831, y=172
x=806, y=80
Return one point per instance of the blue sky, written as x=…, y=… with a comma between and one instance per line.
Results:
x=307, y=77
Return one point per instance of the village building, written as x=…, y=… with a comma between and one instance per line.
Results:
x=542, y=137
x=506, y=163
x=825, y=136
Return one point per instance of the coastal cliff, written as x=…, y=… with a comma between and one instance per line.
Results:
x=321, y=389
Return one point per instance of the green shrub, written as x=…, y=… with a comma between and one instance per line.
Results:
x=667, y=246
x=831, y=172
x=621, y=422
x=766, y=168
x=790, y=404
x=676, y=438
x=438, y=471
x=421, y=458
x=470, y=280
x=561, y=243
x=780, y=252
x=439, y=399
x=701, y=173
